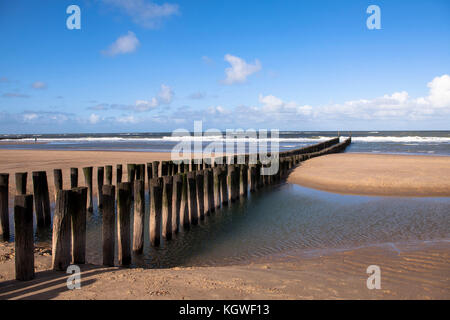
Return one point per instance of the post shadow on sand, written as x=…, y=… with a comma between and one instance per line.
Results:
x=36, y=289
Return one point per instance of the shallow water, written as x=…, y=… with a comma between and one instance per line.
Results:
x=284, y=218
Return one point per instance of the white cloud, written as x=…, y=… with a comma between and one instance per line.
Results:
x=124, y=44
x=239, y=70
x=93, y=118
x=145, y=13
x=146, y=105
x=165, y=94
x=39, y=85
x=440, y=91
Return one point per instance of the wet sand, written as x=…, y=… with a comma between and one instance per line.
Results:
x=376, y=174
x=421, y=273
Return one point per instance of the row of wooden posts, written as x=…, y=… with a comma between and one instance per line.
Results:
x=180, y=196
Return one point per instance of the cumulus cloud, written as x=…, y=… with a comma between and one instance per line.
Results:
x=39, y=85
x=124, y=44
x=197, y=96
x=93, y=118
x=165, y=94
x=145, y=13
x=239, y=70
x=440, y=91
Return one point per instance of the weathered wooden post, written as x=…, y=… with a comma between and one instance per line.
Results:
x=108, y=221
x=199, y=181
x=237, y=180
x=100, y=182
x=231, y=183
x=176, y=202
x=21, y=183
x=208, y=192
x=73, y=177
x=119, y=173
x=224, y=186
x=109, y=175
x=169, y=168
x=184, y=206
x=61, y=253
x=139, y=216
x=149, y=173
x=167, y=207
x=252, y=178
x=244, y=180
x=155, y=169
x=41, y=198
x=123, y=223
x=164, y=168
x=24, y=237
x=155, y=210
x=140, y=172
x=216, y=177
x=4, y=206
x=192, y=197
x=131, y=170
x=87, y=171
x=58, y=179
x=78, y=217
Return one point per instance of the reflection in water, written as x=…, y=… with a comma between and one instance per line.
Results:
x=287, y=217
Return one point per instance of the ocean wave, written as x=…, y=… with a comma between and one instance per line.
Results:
x=407, y=139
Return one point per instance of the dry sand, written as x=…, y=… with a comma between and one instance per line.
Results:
x=422, y=273
x=376, y=174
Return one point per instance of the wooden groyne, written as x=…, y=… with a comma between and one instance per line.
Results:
x=181, y=194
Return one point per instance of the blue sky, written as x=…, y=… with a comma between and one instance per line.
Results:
x=142, y=65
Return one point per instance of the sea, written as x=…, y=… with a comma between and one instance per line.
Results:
x=398, y=142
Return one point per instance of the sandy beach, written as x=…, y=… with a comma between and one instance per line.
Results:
x=376, y=174
x=421, y=272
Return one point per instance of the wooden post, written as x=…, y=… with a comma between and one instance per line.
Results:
x=58, y=179
x=45, y=199
x=167, y=207
x=199, y=181
x=155, y=210
x=108, y=221
x=41, y=198
x=176, y=202
x=252, y=178
x=184, y=206
x=87, y=171
x=21, y=183
x=123, y=223
x=73, y=177
x=61, y=256
x=216, y=178
x=155, y=169
x=119, y=172
x=100, y=182
x=244, y=180
x=78, y=217
x=109, y=175
x=164, y=168
x=192, y=198
x=231, y=183
x=4, y=206
x=139, y=216
x=208, y=191
x=237, y=181
x=224, y=186
x=140, y=172
x=131, y=170
x=149, y=172
x=24, y=237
